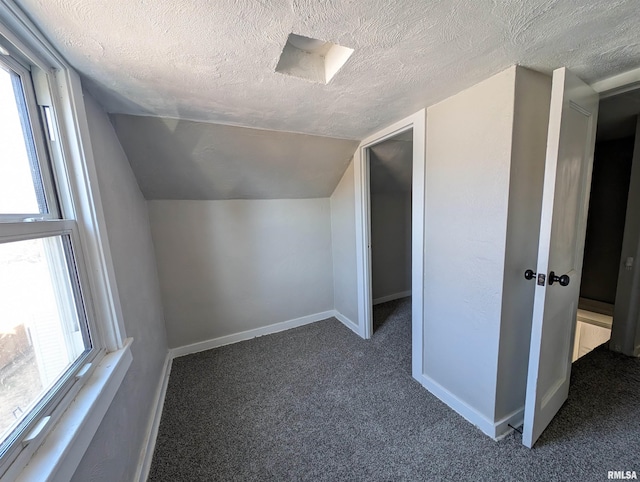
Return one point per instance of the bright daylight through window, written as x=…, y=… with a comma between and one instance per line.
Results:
x=44, y=330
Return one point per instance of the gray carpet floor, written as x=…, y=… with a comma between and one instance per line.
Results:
x=319, y=403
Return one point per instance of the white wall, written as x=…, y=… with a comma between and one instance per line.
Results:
x=485, y=160
x=343, y=242
x=230, y=266
x=528, y=151
x=115, y=449
x=467, y=194
x=390, y=243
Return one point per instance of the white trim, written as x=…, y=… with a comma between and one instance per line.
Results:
x=617, y=84
x=83, y=178
x=17, y=28
x=394, y=296
x=249, y=334
x=62, y=449
x=462, y=408
x=346, y=322
x=79, y=171
x=146, y=454
x=597, y=319
x=501, y=427
x=363, y=251
x=417, y=122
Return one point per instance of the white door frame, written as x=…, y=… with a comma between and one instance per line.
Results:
x=417, y=122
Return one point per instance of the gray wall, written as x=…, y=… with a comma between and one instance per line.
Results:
x=231, y=266
x=625, y=334
x=115, y=450
x=181, y=159
x=605, y=224
x=343, y=243
x=390, y=176
x=390, y=243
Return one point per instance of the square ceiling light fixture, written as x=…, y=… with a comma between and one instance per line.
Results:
x=312, y=59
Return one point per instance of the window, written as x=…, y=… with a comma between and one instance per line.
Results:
x=45, y=335
x=60, y=322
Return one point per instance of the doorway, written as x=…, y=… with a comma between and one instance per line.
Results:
x=416, y=125
x=568, y=169
x=605, y=265
x=390, y=182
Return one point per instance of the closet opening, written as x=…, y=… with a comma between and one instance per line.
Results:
x=390, y=191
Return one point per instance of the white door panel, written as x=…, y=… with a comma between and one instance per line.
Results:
x=567, y=181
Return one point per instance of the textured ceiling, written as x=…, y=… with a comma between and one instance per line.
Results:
x=178, y=159
x=215, y=61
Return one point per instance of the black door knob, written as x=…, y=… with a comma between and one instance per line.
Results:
x=529, y=274
x=563, y=280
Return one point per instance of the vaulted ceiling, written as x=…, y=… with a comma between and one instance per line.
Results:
x=178, y=159
x=215, y=62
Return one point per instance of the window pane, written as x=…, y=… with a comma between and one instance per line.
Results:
x=21, y=190
x=41, y=332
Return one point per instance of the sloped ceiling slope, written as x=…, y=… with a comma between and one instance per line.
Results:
x=391, y=166
x=215, y=60
x=178, y=159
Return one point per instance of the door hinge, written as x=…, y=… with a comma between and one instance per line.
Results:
x=628, y=264
x=541, y=279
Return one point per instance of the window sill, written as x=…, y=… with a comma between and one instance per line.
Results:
x=63, y=447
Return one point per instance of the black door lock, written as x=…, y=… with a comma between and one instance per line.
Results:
x=563, y=280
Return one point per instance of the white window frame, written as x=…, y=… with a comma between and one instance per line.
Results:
x=56, y=451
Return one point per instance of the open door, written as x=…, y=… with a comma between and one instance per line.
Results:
x=567, y=180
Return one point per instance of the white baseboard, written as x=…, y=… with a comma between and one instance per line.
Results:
x=394, y=296
x=249, y=334
x=146, y=456
x=471, y=414
x=502, y=428
x=496, y=430
x=347, y=322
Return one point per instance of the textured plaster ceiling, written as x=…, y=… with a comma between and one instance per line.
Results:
x=178, y=159
x=215, y=61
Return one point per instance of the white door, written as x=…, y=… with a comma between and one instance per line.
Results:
x=567, y=182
